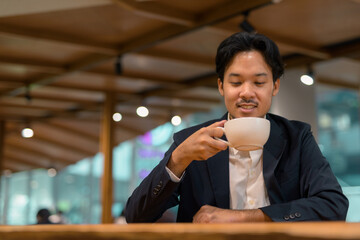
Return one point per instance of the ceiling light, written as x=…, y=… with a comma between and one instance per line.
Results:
x=308, y=78
x=117, y=117
x=142, y=111
x=52, y=172
x=176, y=120
x=27, y=132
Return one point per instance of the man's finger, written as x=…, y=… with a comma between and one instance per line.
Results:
x=218, y=124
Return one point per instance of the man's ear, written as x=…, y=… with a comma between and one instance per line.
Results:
x=220, y=87
x=276, y=87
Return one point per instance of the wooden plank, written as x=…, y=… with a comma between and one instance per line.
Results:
x=338, y=83
x=11, y=8
x=2, y=137
x=27, y=150
x=106, y=148
x=158, y=11
x=188, y=231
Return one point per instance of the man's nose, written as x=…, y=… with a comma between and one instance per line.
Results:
x=247, y=91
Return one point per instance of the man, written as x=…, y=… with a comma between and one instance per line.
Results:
x=42, y=216
x=287, y=180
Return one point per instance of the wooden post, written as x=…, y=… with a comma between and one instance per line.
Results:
x=106, y=147
x=2, y=136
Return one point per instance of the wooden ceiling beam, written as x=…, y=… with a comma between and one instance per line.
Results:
x=33, y=64
x=11, y=8
x=73, y=130
x=81, y=44
x=16, y=167
x=164, y=82
x=22, y=161
x=179, y=57
x=158, y=11
x=347, y=49
x=26, y=157
x=94, y=88
x=218, y=14
x=69, y=146
x=55, y=99
x=28, y=150
x=295, y=45
x=65, y=146
x=338, y=83
x=32, y=105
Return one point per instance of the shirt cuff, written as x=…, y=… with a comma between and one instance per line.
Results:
x=173, y=177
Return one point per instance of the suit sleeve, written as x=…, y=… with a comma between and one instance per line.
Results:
x=321, y=194
x=154, y=195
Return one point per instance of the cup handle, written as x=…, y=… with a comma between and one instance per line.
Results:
x=227, y=143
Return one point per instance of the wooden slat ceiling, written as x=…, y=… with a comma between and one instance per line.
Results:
x=62, y=54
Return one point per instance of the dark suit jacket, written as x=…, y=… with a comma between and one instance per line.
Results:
x=298, y=179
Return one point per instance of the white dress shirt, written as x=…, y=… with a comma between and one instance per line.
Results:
x=247, y=186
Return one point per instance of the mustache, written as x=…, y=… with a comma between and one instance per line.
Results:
x=246, y=101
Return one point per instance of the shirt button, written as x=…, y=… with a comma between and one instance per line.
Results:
x=297, y=214
x=286, y=217
x=251, y=202
x=292, y=216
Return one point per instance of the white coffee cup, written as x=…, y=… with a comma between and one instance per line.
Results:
x=246, y=133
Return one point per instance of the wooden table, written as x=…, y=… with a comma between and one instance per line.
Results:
x=177, y=231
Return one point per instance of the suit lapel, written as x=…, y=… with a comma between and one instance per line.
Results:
x=273, y=151
x=218, y=167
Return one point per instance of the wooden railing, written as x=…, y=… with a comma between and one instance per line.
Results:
x=177, y=231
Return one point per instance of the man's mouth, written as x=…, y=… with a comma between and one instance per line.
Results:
x=247, y=106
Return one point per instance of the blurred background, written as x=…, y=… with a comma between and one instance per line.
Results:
x=146, y=67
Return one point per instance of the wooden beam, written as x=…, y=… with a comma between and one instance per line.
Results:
x=73, y=130
x=33, y=64
x=31, y=151
x=64, y=145
x=180, y=57
x=2, y=137
x=296, y=45
x=300, y=47
x=349, y=49
x=11, y=8
x=107, y=144
x=16, y=167
x=29, y=158
x=81, y=44
x=14, y=159
x=338, y=83
x=158, y=11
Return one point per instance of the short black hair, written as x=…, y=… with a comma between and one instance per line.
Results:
x=43, y=213
x=245, y=42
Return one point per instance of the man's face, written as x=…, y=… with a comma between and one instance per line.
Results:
x=248, y=85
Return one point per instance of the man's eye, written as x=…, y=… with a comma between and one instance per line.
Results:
x=236, y=83
x=259, y=83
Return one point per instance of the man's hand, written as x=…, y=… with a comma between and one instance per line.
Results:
x=201, y=145
x=210, y=214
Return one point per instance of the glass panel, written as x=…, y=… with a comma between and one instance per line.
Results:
x=339, y=131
